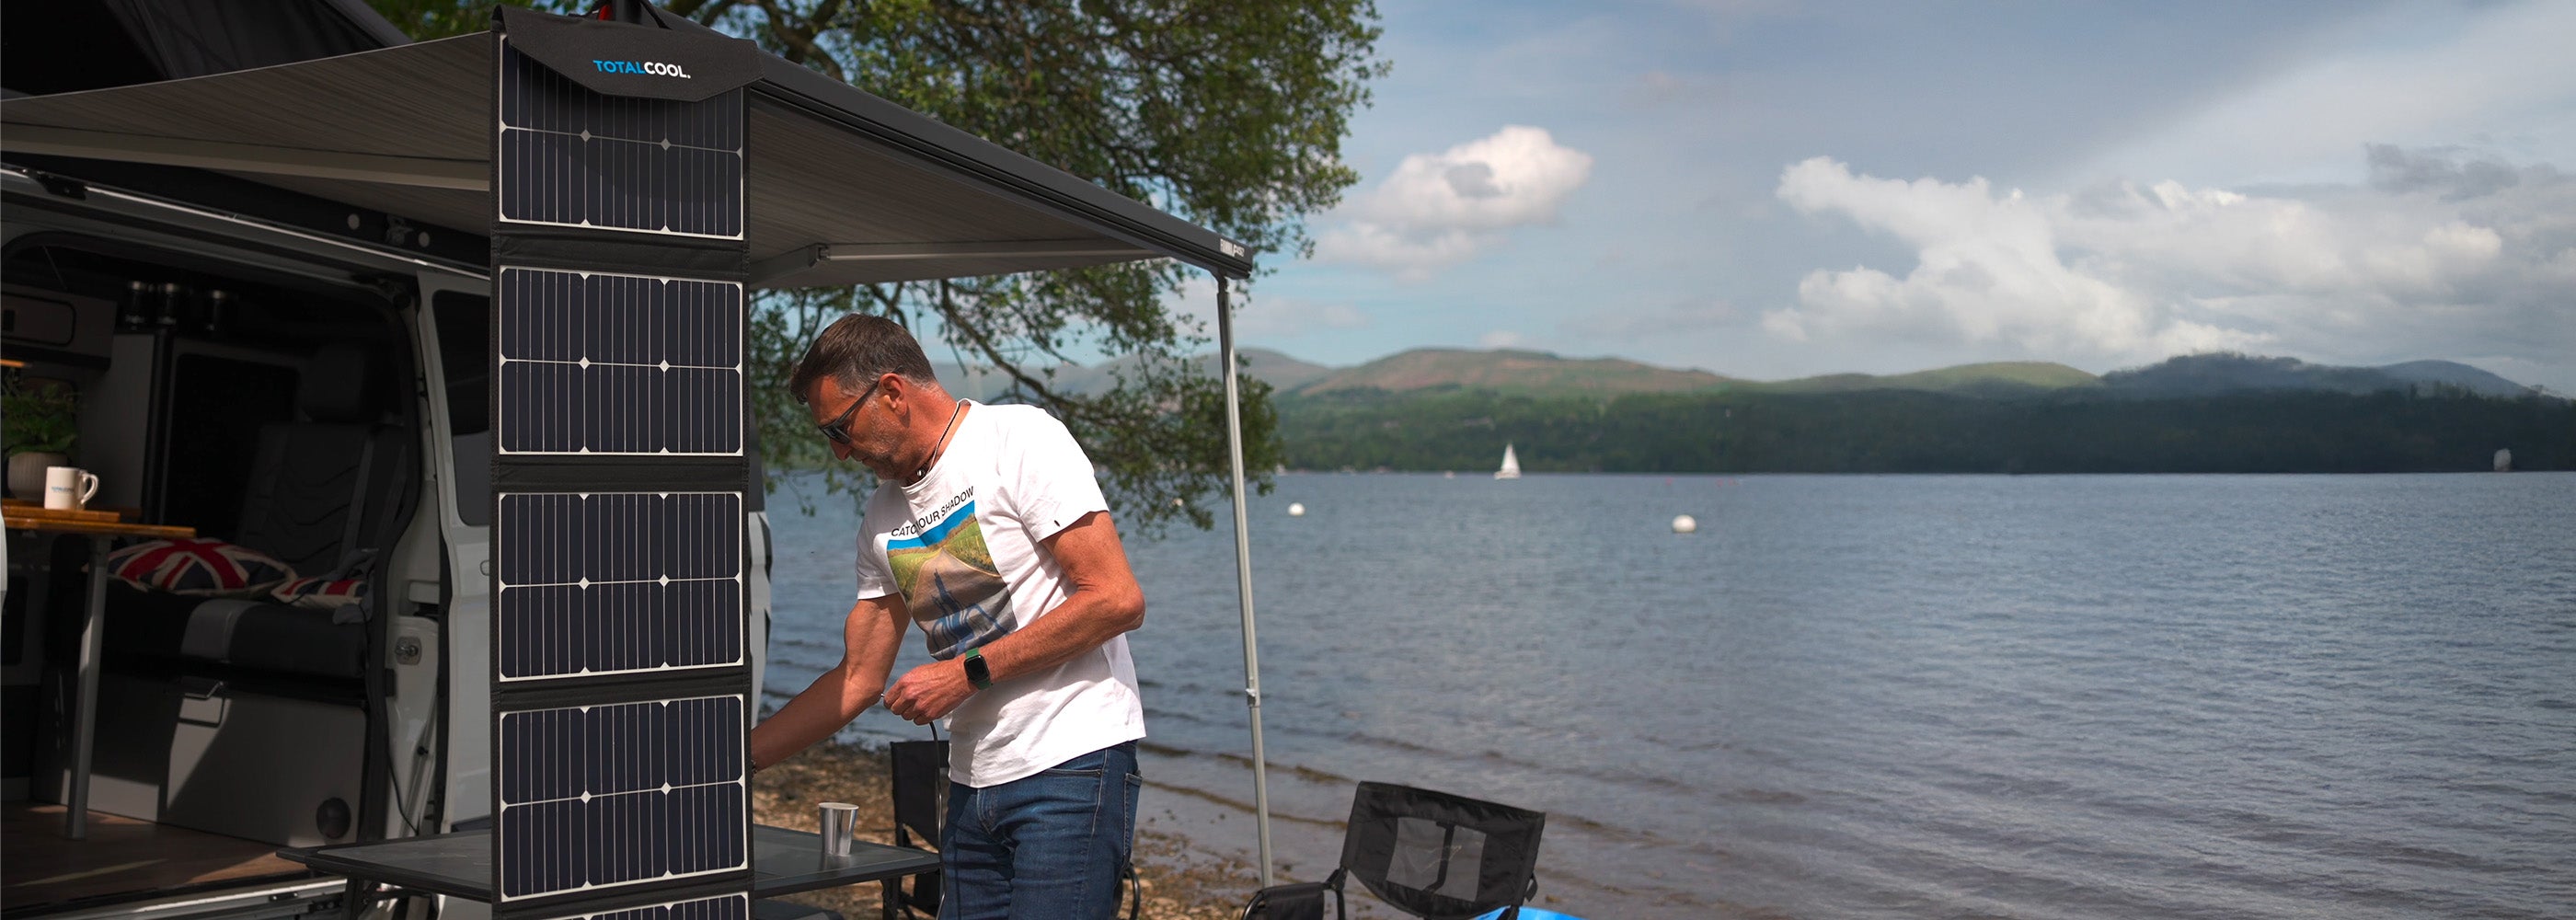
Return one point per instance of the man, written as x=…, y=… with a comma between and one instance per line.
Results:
x=988, y=530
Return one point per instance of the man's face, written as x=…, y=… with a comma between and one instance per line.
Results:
x=868, y=432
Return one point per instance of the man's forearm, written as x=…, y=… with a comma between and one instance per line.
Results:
x=813, y=715
x=1083, y=622
x=1105, y=602
x=868, y=637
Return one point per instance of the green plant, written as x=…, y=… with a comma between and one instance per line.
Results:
x=38, y=417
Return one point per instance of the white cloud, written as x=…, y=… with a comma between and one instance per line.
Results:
x=1439, y=210
x=1499, y=338
x=2446, y=258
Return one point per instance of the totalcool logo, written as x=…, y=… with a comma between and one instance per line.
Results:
x=648, y=68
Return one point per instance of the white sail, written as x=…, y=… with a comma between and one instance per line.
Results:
x=1511, y=465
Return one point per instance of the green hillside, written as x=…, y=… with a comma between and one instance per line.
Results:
x=1993, y=378
x=2073, y=430
x=1511, y=371
x=1537, y=373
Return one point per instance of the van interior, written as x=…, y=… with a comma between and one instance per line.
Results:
x=275, y=412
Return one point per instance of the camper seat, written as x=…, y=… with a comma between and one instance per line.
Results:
x=319, y=489
x=261, y=636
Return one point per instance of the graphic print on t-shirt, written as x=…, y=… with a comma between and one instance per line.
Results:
x=948, y=578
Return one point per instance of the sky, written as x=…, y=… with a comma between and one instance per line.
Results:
x=1777, y=189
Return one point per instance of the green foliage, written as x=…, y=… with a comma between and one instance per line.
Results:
x=38, y=417
x=1895, y=431
x=425, y=20
x=1230, y=115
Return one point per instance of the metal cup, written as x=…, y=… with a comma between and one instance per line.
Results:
x=839, y=820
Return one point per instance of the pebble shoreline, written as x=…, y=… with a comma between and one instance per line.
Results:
x=1178, y=883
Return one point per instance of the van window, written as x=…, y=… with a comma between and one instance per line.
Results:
x=464, y=358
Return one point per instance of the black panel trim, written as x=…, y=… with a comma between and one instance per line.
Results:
x=636, y=61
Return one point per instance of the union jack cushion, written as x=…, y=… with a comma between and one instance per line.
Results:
x=205, y=568
x=321, y=592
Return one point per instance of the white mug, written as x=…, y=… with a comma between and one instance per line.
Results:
x=68, y=488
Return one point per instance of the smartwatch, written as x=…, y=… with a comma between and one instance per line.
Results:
x=978, y=671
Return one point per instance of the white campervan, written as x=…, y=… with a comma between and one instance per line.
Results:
x=316, y=400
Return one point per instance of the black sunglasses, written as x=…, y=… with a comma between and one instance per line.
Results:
x=838, y=428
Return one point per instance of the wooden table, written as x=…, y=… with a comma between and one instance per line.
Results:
x=34, y=518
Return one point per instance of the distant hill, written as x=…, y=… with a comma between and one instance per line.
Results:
x=1748, y=429
x=2226, y=372
x=1280, y=371
x=1538, y=373
x=1511, y=371
x=977, y=384
x=1994, y=378
x=2456, y=374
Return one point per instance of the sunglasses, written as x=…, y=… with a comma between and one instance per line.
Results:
x=838, y=428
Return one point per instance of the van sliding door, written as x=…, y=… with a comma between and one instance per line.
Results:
x=455, y=325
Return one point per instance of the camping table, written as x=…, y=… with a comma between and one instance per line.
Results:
x=460, y=864
x=84, y=706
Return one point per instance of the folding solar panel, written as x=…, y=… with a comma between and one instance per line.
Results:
x=621, y=682
x=595, y=798
x=720, y=907
x=605, y=363
x=571, y=157
x=618, y=583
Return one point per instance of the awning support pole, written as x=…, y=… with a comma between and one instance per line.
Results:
x=1243, y=571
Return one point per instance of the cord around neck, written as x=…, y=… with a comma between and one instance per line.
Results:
x=938, y=448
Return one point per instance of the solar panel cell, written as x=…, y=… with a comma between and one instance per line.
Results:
x=724, y=907
x=737, y=907
x=617, y=583
x=572, y=157
x=603, y=796
x=604, y=363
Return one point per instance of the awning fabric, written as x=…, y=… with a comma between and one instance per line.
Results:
x=842, y=187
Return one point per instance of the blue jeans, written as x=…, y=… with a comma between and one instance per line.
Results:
x=1053, y=846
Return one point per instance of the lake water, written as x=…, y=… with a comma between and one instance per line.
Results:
x=1883, y=696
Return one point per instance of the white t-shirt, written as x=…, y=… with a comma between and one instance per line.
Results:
x=962, y=549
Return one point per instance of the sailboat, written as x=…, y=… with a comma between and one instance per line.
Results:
x=1511, y=465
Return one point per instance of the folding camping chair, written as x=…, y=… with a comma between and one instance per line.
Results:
x=1429, y=854
x=919, y=780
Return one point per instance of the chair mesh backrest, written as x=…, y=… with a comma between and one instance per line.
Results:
x=920, y=781
x=1439, y=855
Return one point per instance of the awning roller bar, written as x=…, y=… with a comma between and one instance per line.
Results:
x=768, y=272
x=200, y=153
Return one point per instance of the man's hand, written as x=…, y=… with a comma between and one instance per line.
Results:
x=930, y=691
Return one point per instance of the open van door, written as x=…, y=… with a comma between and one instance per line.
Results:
x=455, y=319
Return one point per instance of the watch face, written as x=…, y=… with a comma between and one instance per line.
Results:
x=978, y=671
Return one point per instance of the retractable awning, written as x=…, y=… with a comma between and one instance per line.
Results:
x=844, y=187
